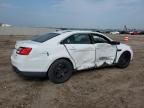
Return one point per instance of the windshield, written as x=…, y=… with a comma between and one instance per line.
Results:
x=45, y=37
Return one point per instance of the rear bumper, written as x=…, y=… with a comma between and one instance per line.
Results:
x=29, y=74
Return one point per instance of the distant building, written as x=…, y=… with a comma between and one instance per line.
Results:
x=125, y=28
x=115, y=32
x=4, y=25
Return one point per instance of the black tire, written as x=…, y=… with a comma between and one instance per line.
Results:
x=60, y=71
x=124, y=60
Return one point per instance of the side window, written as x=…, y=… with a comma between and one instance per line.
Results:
x=99, y=39
x=78, y=39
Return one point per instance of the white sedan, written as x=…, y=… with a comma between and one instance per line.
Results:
x=56, y=55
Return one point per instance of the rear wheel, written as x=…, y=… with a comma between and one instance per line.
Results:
x=124, y=60
x=60, y=71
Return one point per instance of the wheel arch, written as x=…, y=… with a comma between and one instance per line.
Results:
x=127, y=52
x=65, y=58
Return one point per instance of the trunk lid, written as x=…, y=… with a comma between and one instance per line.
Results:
x=26, y=43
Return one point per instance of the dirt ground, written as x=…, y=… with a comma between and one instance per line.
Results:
x=99, y=88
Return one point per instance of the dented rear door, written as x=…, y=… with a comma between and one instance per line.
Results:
x=81, y=50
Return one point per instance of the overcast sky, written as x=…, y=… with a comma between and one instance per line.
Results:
x=73, y=13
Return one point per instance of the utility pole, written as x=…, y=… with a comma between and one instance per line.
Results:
x=125, y=28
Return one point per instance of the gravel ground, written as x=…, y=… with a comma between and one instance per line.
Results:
x=99, y=88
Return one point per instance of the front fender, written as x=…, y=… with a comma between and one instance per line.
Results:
x=121, y=49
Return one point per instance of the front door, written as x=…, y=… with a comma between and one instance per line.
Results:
x=105, y=52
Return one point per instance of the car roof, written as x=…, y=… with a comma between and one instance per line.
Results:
x=74, y=31
x=70, y=32
x=63, y=34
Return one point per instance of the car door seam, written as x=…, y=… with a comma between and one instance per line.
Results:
x=95, y=57
x=70, y=54
x=115, y=55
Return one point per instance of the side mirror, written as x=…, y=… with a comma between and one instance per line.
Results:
x=114, y=43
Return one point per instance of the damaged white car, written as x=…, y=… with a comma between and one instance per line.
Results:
x=56, y=55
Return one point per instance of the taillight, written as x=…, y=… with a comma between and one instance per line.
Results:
x=24, y=51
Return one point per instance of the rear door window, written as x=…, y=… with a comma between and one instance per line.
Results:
x=78, y=39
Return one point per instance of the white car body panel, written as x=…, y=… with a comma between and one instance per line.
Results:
x=123, y=48
x=55, y=53
x=32, y=62
x=105, y=54
x=82, y=56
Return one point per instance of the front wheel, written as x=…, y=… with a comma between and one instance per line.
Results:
x=60, y=71
x=124, y=60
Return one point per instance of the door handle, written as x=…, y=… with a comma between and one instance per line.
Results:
x=72, y=48
x=96, y=47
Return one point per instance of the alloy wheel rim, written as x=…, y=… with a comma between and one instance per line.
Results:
x=61, y=71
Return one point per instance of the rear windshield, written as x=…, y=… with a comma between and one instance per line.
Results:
x=45, y=37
